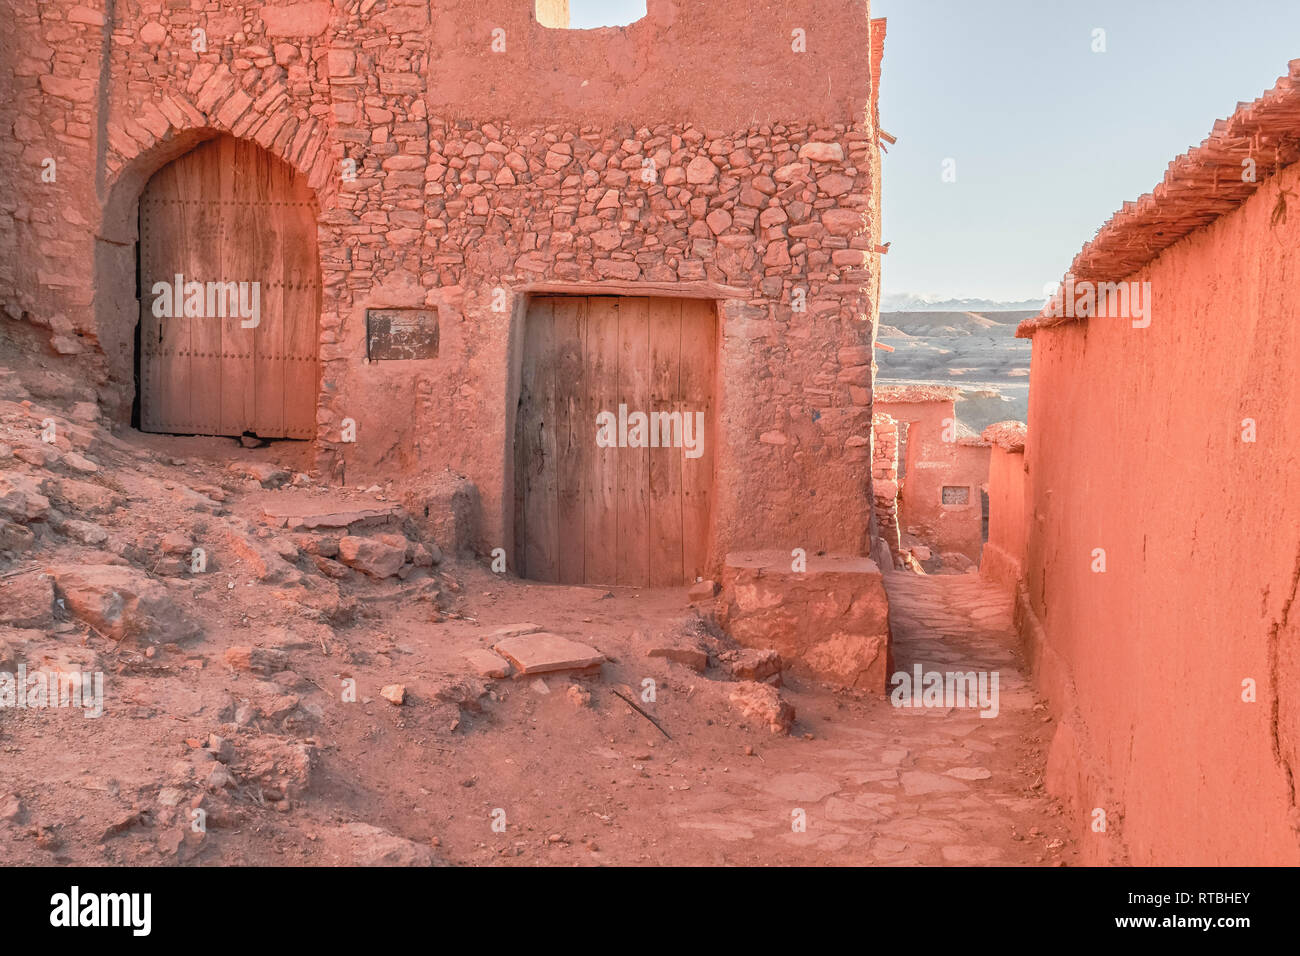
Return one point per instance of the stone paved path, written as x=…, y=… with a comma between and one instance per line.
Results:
x=597, y=784
x=886, y=785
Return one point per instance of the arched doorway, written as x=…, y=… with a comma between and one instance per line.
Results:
x=230, y=295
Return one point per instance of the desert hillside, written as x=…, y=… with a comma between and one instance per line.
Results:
x=976, y=351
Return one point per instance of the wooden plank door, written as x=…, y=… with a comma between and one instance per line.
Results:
x=536, y=431
x=229, y=212
x=695, y=397
x=637, y=514
x=633, y=502
x=572, y=435
x=600, y=393
x=667, y=565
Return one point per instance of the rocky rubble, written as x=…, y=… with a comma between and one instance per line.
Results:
x=180, y=576
x=119, y=602
x=367, y=845
x=116, y=557
x=763, y=703
x=119, y=591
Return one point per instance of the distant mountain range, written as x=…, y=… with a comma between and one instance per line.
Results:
x=909, y=302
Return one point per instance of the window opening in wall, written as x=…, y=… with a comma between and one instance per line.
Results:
x=588, y=14
x=956, y=495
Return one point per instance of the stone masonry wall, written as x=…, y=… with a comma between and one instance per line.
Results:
x=884, y=479
x=494, y=158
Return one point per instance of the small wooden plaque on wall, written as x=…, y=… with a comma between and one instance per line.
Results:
x=396, y=334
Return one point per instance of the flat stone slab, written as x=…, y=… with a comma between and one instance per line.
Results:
x=303, y=518
x=487, y=664
x=801, y=787
x=918, y=782
x=543, y=653
x=692, y=657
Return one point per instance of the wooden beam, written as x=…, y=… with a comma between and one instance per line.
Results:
x=675, y=290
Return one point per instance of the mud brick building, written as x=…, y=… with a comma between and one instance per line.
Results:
x=469, y=230
x=1165, y=443
x=943, y=469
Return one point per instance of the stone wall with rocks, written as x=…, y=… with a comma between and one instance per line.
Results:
x=724, y=150
x=828, y=616
x=884, y=479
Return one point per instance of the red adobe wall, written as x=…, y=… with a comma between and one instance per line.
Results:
x=1135, y=445
x=884, y=481
x=1004, y=551
x=931, y=462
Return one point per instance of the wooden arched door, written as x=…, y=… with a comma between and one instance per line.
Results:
x=230, y=295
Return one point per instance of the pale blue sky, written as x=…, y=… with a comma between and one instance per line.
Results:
x=1049, y=138
x=584, y=14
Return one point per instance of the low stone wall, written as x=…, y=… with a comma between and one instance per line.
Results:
x=884, y=478
x=832, y=617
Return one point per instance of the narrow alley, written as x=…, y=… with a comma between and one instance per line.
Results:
x=888, y=785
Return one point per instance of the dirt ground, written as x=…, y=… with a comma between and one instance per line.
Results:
x=557, y=770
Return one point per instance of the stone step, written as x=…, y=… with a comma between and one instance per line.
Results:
x=304, y=518
x=543, y=653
